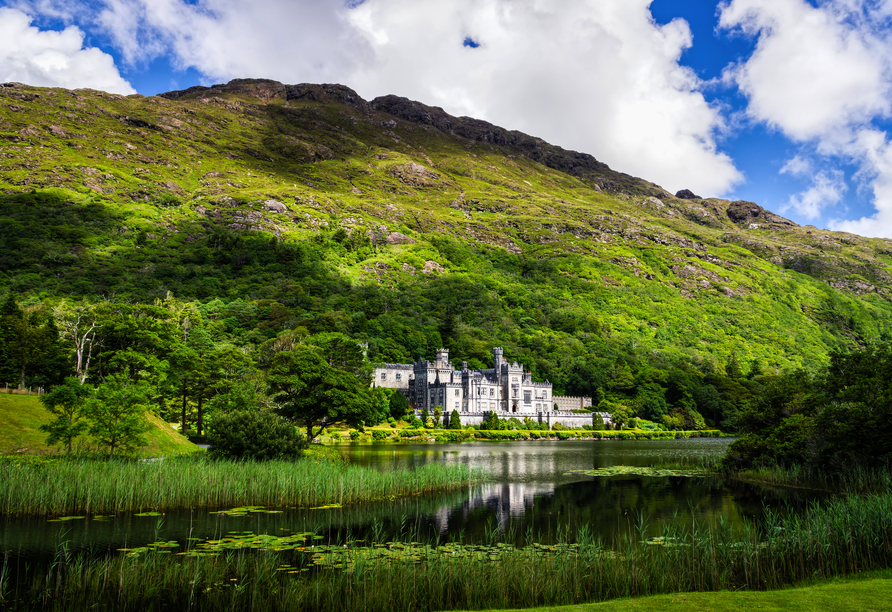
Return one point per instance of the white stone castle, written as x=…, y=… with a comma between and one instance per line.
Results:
x=507, y=389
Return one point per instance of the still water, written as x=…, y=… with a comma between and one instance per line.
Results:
x=533, y=490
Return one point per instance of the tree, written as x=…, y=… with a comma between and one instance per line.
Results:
x=311, y=392
x=491, y=422
x=399, y=405
x=597, y=422
x=67, y=402
x=254, y=434
x=78, y=324
x=117, y=413
x=31, y=340
x=454, y=420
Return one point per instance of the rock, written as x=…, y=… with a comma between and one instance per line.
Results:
x=398, y=238
x=431, y=266
x=275, y=206
x=742, y=212
x=201, y=210
x=55, y=130
x=687, y=194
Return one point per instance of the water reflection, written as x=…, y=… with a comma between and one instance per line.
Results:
x=533, y=492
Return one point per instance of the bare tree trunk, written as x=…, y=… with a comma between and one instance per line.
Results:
x=183, y=426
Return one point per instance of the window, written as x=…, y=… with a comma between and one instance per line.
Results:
x=527, y=397
x=492, y=392
x=456, y=405
x=383, y=375
x=479, y=391
x=399, y=376
x=456, y=395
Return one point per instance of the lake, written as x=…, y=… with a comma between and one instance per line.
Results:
x=534, y=491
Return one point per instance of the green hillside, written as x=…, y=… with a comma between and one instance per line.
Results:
x=21, y=415
x=270, y=207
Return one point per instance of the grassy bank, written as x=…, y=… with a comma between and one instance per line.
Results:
x=863, y=594
x=382, y=434
x=842, y=538
x=85, y=486
x=21, y=416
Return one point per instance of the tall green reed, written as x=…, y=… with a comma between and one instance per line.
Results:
x=97, y=486
x=842, y=536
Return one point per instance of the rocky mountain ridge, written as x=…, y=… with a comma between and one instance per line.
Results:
x=395, y=181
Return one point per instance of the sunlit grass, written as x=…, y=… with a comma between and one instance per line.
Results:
x=100, y=487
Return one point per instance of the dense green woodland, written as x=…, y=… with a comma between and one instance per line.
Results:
x=214, y=245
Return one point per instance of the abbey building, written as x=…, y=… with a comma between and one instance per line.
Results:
x=506, y=389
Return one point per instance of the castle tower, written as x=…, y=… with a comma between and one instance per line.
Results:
x=442, y=358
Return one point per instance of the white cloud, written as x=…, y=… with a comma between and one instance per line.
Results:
x=797, y=166
x=828, y=188
x=822, y=75
x=598, y=76
x=54, y=59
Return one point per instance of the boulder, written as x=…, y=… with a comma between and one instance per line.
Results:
x=398, y=238
x=275, y=206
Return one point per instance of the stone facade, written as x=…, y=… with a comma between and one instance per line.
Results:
x=506, y=389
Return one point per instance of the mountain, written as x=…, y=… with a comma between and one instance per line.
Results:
x=305, y=206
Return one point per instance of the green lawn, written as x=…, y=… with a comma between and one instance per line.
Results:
x=864, y=595
x=21, y=415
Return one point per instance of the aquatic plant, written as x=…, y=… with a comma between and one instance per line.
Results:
x=85, y=486
x=842, y=536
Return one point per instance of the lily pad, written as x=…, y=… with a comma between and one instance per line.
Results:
x=62, y=519
x=148, y=514
x=634, y=470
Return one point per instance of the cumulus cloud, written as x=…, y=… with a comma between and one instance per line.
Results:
x=598, y=76
x=53, y=58
x=827, y=189
x=594, y=75
x=822, y=75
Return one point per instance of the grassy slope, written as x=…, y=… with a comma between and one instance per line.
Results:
x=21, y=415
x=534, y=244
x=856, y=595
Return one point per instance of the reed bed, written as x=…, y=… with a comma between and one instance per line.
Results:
x=86, y=486
x=857, y=481
x=842, y=537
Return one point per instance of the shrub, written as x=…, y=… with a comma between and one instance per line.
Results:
x=354, y=435
x=399, y=405
x=250, y=434
x=454, y=420
x=379, y=434
x=598, y=422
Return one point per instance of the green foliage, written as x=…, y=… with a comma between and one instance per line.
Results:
x=116, y=413
x=254, y=434
x=454, y=420
x=492, y=422
x=315, y=394
x=836, y=421
x=399, y=405
x=66, y=402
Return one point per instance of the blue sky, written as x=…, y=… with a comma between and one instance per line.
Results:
x=782, y=102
